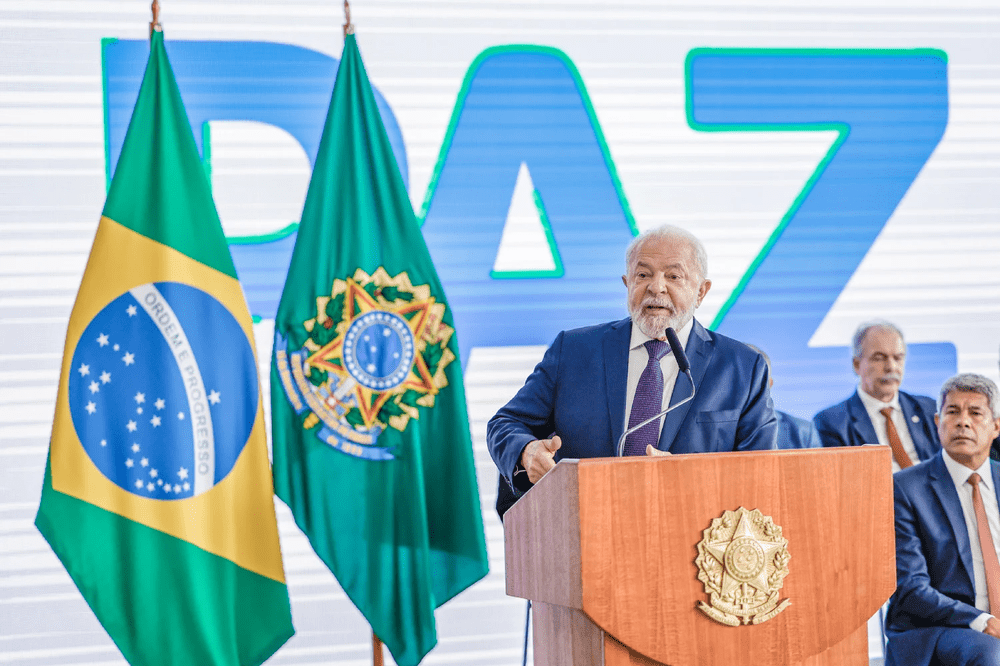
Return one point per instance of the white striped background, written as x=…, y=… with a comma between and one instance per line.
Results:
x=934, y=270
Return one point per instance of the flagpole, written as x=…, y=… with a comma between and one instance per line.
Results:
x=154, y=25
x=348, y=26
x=377, y=655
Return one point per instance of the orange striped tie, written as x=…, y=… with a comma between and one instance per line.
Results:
x=990, y=561
x=896, y=444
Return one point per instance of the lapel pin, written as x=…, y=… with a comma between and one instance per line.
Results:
x=915, y=418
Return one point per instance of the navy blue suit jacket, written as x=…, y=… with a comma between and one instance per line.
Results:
x=577, y=391
x=847, y=424
x=796, y=433
x=934, y=575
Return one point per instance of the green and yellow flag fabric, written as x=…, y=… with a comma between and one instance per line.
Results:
x=372, y=449
x=157, y=497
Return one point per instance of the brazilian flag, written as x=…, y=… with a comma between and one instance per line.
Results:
x=157, y=497
x=372, y=449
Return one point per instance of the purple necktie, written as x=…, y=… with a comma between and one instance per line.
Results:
x=647, y=402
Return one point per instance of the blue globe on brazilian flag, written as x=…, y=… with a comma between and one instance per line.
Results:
x=158, y=484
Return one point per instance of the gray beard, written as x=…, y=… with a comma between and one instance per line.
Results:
x=655, y=325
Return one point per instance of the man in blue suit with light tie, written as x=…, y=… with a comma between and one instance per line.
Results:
x=594, y=383
x=878, y=412
x=944, y=611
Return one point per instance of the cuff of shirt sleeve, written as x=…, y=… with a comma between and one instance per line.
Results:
x=979, y=624
x=523, y=484
x=519, y=478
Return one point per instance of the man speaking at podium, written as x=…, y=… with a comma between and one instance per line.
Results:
x=595, y=383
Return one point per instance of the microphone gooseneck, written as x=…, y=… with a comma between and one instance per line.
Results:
x=682, y=364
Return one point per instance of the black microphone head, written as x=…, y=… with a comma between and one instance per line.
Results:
x=678, y=350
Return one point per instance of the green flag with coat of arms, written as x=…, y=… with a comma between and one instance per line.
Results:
x=372, y=449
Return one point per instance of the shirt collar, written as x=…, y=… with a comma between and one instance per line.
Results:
x=960, y=473
x=639, y=338
x=873, y=404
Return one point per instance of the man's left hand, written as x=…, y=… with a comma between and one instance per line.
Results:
x=992, y=627
x=653, y=451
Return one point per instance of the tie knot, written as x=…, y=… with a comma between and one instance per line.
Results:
x=657, y=349
x=886, y=411
x=974, y=479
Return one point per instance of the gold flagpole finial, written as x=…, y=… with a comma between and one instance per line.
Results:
x=348, y=26
x=154, y=25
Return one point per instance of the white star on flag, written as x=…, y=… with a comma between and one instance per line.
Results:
x=104, y=442
x=150, y=486
x=129, y=463
x=138, y=483
x=94, y=387
x=129, y=358
x=155, y=421
x=180, y=416
x=91, y=408
x=105, y=377
x=131, y=426
x=187, y=486
x=153, y=473
x=144, y=462
x=140, y=398
x=102, y=340
x=182, y=473
x=135, y=447
x=84, y=369
x=160, y=403
x=138, y=410
x=166, y=488
x=159, y=482
x=130, y=310
x=214, y=397
x=116, y=347
x=177, y=488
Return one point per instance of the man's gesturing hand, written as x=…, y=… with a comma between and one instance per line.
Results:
x=652, y=451
x=537, y=457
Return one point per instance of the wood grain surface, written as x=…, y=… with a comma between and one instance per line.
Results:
x=643, y=518
x=852, y=651
x=542, y=540
x=565, y=637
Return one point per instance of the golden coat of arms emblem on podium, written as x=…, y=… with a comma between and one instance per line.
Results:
x=743, y=561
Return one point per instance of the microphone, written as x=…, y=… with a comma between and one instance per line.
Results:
x=682, y=364
x=678, y=351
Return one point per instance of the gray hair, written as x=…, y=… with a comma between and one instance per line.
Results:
x=969, y=382
x=862, y=331
x=668, y=232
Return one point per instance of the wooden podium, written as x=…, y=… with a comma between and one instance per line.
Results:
x=605, y=548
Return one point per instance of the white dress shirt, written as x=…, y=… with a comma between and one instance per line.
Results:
x=874, y=407
x=638, y=357
x=960, y=475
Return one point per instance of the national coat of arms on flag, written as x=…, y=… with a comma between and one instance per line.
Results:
x=377, y=350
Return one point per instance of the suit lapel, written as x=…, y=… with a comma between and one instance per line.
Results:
x=995, y=469
x=615, y=348
x=944, y=488
x=910, y=408
x=699, y=351
x=861, y=423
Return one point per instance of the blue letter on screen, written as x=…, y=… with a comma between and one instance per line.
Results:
x=891, y=109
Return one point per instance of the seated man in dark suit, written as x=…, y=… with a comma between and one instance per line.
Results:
x=878, y=412
x=594, y=383
x=793, y=432
x=947, y=531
